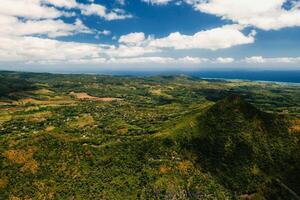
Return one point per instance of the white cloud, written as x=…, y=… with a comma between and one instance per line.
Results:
x=99, y=10
x=217, y=38
x=117, y=16
x=130, y=51
x=62, y=3
x=12, y=26
x=38, y=49
x=142, y=60
x=104, y=32
x=254, y=59
x=187, y=60
x=157, y=2
x=132, y=38
x=214, y=39
x=23, y=22
x=33, y=49
x=93, y=9
x=36, y=17
x=224, y=60
x=43, y=9
x=160, y=60
x=192, y=60
x=20, y=47
x=266, y=15
x=31, y=9
x=278, y=60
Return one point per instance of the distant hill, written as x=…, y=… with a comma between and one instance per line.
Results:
x=13, y=83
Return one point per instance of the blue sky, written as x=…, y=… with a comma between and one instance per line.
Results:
x=70, y=35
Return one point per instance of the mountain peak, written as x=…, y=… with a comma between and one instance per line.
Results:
x=234, y=105
x=237, y=134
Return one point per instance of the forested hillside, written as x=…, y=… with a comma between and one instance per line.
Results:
x=167, y=137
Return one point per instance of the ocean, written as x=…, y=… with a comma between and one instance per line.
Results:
x=272, y=76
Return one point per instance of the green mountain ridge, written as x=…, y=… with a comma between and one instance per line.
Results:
x=245, y=147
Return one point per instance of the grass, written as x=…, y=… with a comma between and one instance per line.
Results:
x=82, y=121
x=4, y=117
x=85, y=96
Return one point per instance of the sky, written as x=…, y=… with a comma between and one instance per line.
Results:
x=99, y=35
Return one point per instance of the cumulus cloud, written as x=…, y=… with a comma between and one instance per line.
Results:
x=266, y=15
x=159, y=60
x=254, y=59
x=37, y=18
x=192, y=60
x=100, y=10
x=157, y=2
x=136, y=60
x=34, y=49
x=217, y=38
x=129, y=51
x=23, y=22
x=29, y=26
x=104, y=32
x=45, y=9
x=42, y=17
x=62, y=3
x=224, y=60
x=37, y=49
x=32, y=9
x=12, y=26
x=131, y=45
x=261, y=60
x=132, y=38
x=93, y=9
x=42, y=51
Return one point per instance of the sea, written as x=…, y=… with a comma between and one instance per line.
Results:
x=268, y=76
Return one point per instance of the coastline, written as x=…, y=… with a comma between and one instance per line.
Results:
x=259, y=81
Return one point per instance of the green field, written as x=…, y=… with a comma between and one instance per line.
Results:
x=163, y=137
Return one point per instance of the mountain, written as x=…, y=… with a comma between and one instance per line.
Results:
x=250, y=151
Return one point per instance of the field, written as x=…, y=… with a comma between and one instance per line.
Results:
x=163, y=137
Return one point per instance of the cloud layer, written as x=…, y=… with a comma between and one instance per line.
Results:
x=31, y=32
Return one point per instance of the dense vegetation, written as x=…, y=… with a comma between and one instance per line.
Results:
x=167, y=137
x=10, y=85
